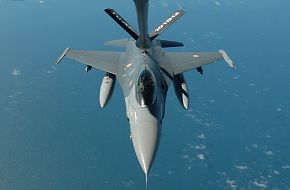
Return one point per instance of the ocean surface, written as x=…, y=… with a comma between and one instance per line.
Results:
x=55, y=136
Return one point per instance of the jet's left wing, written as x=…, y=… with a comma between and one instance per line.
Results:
x=180, y=62
x=103, y=60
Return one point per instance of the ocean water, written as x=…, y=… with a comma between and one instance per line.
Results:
x=54, y=135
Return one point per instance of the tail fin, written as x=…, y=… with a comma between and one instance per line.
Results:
x=167, y=23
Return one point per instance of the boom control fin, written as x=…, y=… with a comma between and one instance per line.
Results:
x=122, y=22
x=167, y=23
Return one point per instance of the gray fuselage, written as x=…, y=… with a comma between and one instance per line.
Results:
x=145, y=88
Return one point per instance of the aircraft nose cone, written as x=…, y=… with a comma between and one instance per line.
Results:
x=145, y=141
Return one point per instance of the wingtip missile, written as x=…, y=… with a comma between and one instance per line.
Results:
x=227, y=59
x=62, y=55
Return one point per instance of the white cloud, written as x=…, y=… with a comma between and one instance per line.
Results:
x=201, y=136
x=286, y=167
x=241, y=167
x=200, y=156
x=261, y=184
x=16, y=72
x=232, y=183
x=269, y=153
x=218, y=3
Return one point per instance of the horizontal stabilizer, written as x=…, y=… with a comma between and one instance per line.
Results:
x=168, y=22
x=122, y=22
x=168, y=44
x=117, y=43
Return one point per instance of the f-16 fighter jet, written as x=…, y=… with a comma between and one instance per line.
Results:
x=145, y=71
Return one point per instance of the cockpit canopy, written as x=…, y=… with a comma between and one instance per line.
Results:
x=146, y=88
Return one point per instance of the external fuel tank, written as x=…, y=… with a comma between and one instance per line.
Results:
x=181, y=90
x=107, y=88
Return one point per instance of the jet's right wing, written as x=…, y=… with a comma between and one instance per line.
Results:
x=103, y=60
x=180, y=62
